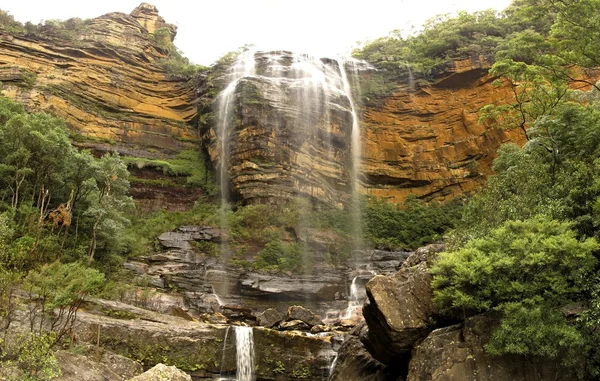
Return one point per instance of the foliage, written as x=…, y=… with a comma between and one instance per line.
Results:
x=188, y=164
x=141, y=235
x=58, y=291
x=55, y=197
x=278, y=255
x=36, y=358
x=524, y=270
x=410, y=225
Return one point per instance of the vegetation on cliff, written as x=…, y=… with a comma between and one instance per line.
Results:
x=526, y=249
x=445, y=38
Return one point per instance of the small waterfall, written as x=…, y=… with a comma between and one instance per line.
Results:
x=353, y=303
x=332, y=366
x=224, y=350
x=219, y=300
x=244, y=353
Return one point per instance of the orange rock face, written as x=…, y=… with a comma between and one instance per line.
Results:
x=428, y=142
x=105, y=81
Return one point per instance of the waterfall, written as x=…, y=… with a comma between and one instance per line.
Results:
x=243, y=67
x=356, y=149
x=244, y=353
x=333, y=364
x=224, y=350
x=353, y=303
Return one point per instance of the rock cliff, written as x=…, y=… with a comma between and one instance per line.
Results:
x=103, y=76
x=426, y=140
x=293, y=124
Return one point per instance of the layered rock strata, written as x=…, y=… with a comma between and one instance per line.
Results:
x=104, y=78
x=206, y=285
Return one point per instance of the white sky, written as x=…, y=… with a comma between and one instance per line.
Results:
x=210, y=28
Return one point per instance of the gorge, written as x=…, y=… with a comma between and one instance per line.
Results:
x=292, y=213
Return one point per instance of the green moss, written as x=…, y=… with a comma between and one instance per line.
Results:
x=189, y=164
x=117, y=314
x=301, y=371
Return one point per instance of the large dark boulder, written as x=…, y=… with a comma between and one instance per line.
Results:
x=354, y=362
x=269, y=318
x=458, y=353
x=399, y=308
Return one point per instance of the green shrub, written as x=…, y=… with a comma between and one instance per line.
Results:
x=524, y=271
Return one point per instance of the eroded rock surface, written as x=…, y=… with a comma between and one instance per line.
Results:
x=399, y=308
x=457, y=353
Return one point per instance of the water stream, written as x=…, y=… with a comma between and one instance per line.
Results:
x=244, y=353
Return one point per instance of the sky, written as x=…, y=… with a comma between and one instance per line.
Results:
x=207, y=29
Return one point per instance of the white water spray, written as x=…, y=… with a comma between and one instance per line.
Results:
x=354, y=304
x=244, y=353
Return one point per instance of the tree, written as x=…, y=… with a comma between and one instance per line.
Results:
x=524, y=271
x=58, y=290
x=108, y=202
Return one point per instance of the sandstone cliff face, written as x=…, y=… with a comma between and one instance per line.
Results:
x=104, y=79
x=426, y=141
x=423, y=141
x=283, y=129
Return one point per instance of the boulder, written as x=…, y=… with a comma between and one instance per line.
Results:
x=353, y=362
x=161, y=372
x=95, y=367
x=399, y=308
x=238, y=313
x=294, y=325
x=303, y=314
x=269, y=318
x=457, y=353
x=322, y=286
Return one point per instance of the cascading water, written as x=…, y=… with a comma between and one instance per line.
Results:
x=356, y=148
x=243, y=67
x=354, y=303
x=298, y=122
x=244, y=353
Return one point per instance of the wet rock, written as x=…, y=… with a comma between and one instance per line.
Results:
x=322, y=328
x=287, y=355
x=458, y=353
x=294, y=325
x=236, y=313
x=161, y=372
x=201, y=302
x=385, y=262
x=303, y=314
x=399, y=307
x=315, y=287
x=269, y=318
x=216, y=318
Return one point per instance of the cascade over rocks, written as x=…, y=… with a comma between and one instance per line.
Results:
x=197, y=348
x=291, y=130
x=206, y=285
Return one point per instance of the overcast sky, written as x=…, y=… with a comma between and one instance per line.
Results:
x=210, y=28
